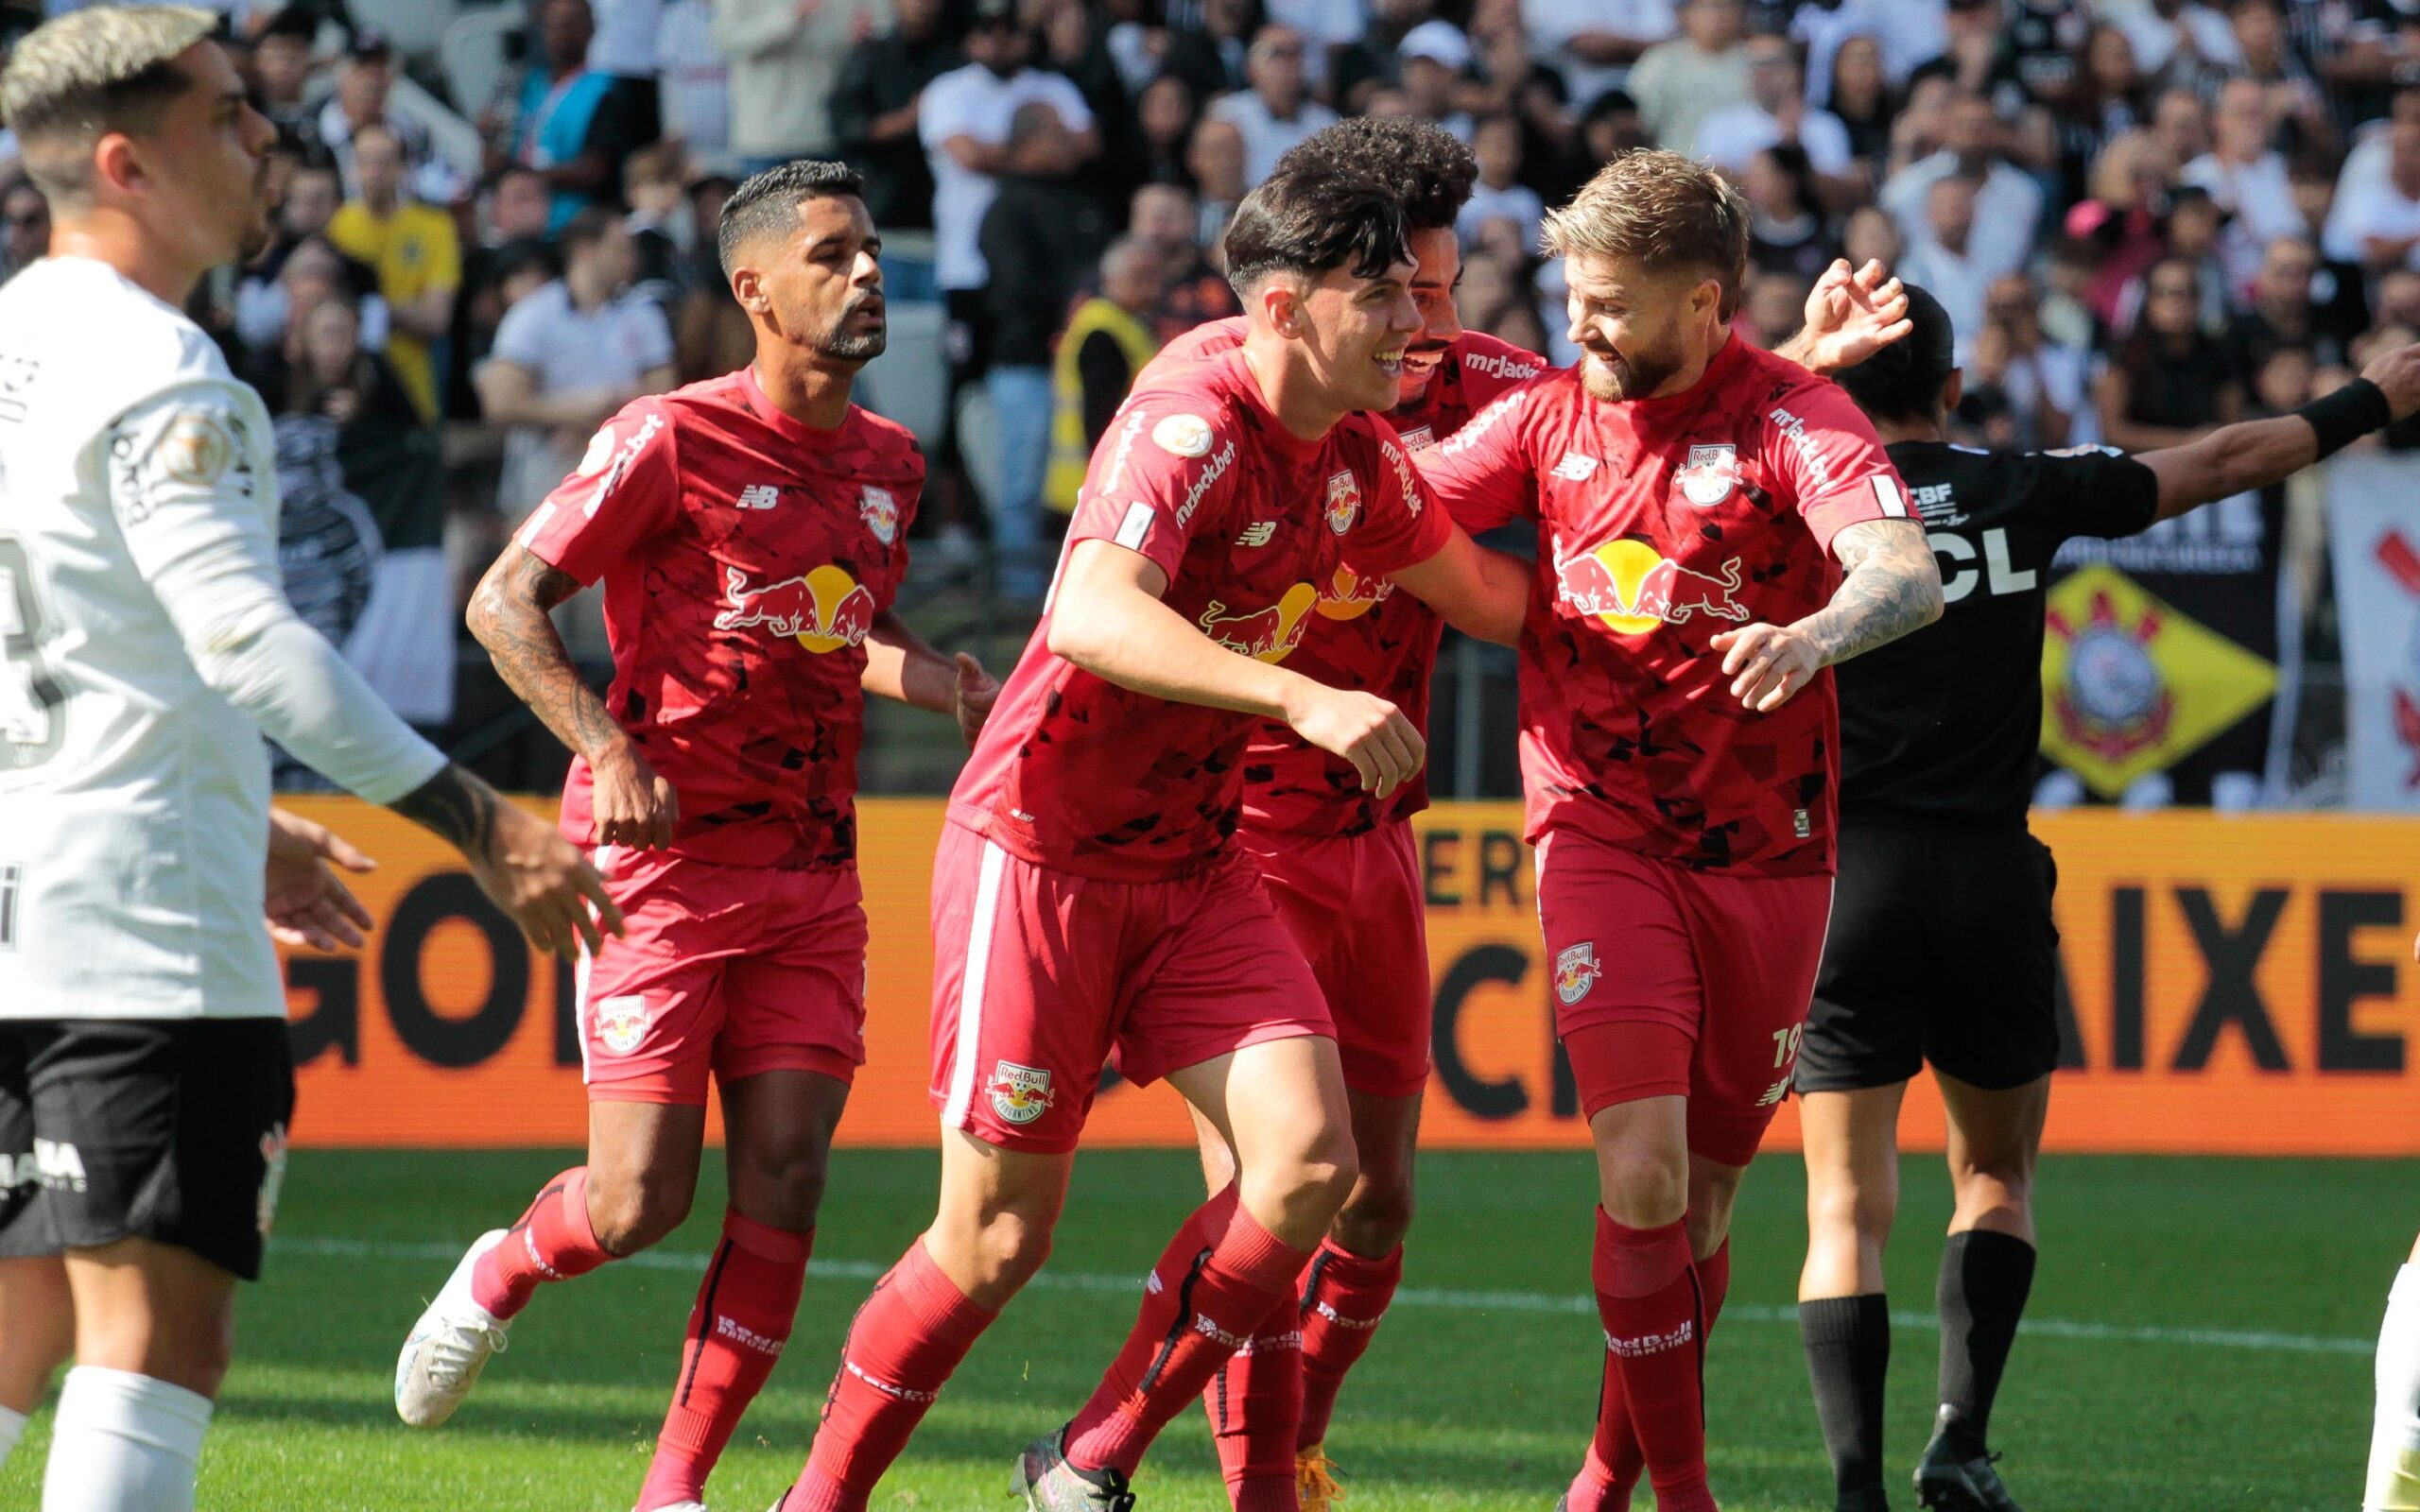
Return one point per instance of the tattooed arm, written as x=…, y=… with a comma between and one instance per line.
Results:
x=1893, y=586
x=509, y=614
x=518, y=860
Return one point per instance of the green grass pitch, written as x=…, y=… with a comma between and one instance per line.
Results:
x=2203, y=1339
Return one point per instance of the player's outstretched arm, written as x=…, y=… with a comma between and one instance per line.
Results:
x=1850, y=317
x=1481, y=593
x=1893, y=586
x=2257, y=453
x=509, y=614
x=901, y=664
x=1107, y=618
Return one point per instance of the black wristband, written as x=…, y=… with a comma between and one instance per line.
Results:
x=2348, y=415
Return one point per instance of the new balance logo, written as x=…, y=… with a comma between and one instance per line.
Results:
x=1575, y=468
x=1258, y=533
x=758, y=497
x=745, y=1337
x=12, y=884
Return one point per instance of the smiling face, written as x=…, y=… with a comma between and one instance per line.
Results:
x=1355, y=332
x=1638, y=331
x=1436, y=269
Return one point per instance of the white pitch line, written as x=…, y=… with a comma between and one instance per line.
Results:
x=1443, y=1300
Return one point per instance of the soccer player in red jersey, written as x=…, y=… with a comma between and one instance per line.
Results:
x=1089, y=899
x=1717, y=528
x=751, y=532
x=1340, y=864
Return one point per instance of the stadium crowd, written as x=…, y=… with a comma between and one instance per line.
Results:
x=2146, y=217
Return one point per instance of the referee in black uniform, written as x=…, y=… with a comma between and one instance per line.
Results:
x=1942, y=945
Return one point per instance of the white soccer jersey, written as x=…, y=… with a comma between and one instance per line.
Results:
x=145, y=644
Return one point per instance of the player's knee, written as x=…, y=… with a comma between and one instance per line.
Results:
x=1377, y=1214
x=1644, y=1187
x=1997, y=1183
x=1009, y=1249
x=1866, y=1211
x=629, y=1216
x=783, y=1189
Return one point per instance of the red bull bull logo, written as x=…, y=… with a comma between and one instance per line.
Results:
x=1343, y=501
x=1350, y=596
x=823, y=610
x=1263, y=634
x=1634, y=588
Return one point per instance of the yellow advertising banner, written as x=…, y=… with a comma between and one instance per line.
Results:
x=2234, y=985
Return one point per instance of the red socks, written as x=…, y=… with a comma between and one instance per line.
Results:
x=551, y=1242
x=1255, y=1401
x=1344, y=1296
x=1615, y=1460
x=1276, y=1395
x=907, y=1339
x=1219, y=1277
x=742, y=1318
x=1650, y=1299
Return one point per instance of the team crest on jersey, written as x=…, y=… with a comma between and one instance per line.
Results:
x=1419, y=437
x=1020, y=1094
x=621, y=1022
x=1184, y=436
x=1343, y=501
x=880, y=512
x=1576, y=970
x=1709, y=476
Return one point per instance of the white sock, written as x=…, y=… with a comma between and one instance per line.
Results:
x=12, y=1427
x=123, y=1443
x=2395, y=1430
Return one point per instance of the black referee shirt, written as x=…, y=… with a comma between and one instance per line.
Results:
x=1945, y=724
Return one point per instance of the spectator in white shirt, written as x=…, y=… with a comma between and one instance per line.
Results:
x=1905, y=33
x=2008, y=203
x=2180, y=125
x=1499, y=194
x=570, y=355
x=1434, y=54
x=2179, y=37
x=1681, y=82
x=785, y=56
x=2246, y=177
x=2045, y=383
x=1942, y=257
x=1277, y=112
x=1325, y=27
x=1593, y=43
x=365, y=81
x=2377, y=224
x=963, y=120
x=1776, y=111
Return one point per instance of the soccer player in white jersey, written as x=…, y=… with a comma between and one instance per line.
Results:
x=146, y=646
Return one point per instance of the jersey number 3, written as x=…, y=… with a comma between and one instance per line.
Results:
x=33, y=723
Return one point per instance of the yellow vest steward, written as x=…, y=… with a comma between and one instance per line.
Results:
x=1070, y=454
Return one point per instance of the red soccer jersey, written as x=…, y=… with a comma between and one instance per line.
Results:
x=745, y=557
x=1382, y=642
x=1661, y=523
x=1250, y=523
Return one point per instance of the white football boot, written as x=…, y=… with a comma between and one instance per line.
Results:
x=448, y=1346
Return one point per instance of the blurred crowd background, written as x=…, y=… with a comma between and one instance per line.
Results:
x=493, y=228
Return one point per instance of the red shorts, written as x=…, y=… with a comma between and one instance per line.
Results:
x=736, y=969
x=1354, y=904
x=1039, y=974
x=1671, y=982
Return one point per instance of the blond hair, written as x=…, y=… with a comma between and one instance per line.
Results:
x=109, y=68
x=1663, y=212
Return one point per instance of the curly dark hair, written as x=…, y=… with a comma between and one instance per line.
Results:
x=769, y=200
x=1418, y=161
